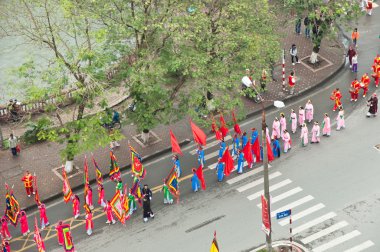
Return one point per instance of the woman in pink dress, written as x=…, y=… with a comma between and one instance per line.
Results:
x=287, y=141
x=59, y=233
x=89, y=197
x=304, y=135
x=43, y=217
x=101, y=200
x=24, y=224
x=293, y=120
x=89, y=222
x=5, y=230
x=316, y=132
x=76, y=203
x=326, y=126
x=340, y=119
x=108, y=209
x=276, y=128
x=309, y=110
x=282, y=123
x=301, y=116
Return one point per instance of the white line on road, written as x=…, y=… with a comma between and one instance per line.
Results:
x=337, y=241
x=257, y=182
x=293, y=205
x=361, y=246
x=212, y=144
x=211, y=155
x=246, y=175
x=324, y=232
x=284, y=195
x=314, y=222
x=271, y=189
x=302, y=214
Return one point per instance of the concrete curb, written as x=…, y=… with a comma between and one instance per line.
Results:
x=283, y=243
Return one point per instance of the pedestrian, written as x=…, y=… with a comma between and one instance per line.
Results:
x=355, y=37
x=177, y=165
x=340, y=119
x=131, y=203
x=222, y=147
x=306, y=22
x=244, y=139
x=220, y=170
x=293, y=121
x=147, y=211
x=363, y=5
x=263, y=80
x=294, y=54
x=276, y=148
x=364, y=83
x=298, y=25
x=119, y=187
x=354, y=91
x=168, y=197
x=255, y=144
x=59, y=230
x=287, y=141
x=89, y=197
x=43, y=217
x=13, y=144
x=301, y=116
x=351, y=53
x=355, y=63
x=276, y=132
x=326, y=126
x=235, y=145
x=376, y=73
x=24, y=224
x=147, y=192
x=28, y=183
x=5, y=230
x=201, y=155
x=304, y=135
x=309, y=111
x=101, y=200
x=372, y=104
x=291, y=82
x=89, y=222
x=316, y=132
x=195, y=184
x=282, y=123
x=369, y=7
x=76, y=203
x=240, y=161
x=336, y=96
x=109, y=213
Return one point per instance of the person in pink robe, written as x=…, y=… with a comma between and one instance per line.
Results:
x=6, y=246
x=282, y=123
x=43, y=217
x=309, y=111
x=89, y=197
x=301, y=116
x=276, y=128
x=326, y=126
x=340, y=119
x=101, y=200
x=315, y=133
x=304, y=135
x=89, y=222
x=110, y=218
x=59, y=233
x=76, y=203
x=293, y=120
x=24, y=224
x=287, y=141
x=5, y=230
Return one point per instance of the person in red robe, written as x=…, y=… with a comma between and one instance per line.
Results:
x=365, y=81
x=89, y=222
x=255, y=145
x=5, y=230
x=108, y=210
x=354, y=91
x=336, y=96
x=59, y=230
x=24, y=224
x=101, y=200
x=89, y=197
x=76, y=203
x=43, y=217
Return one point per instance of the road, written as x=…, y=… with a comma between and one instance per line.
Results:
x=331, y=186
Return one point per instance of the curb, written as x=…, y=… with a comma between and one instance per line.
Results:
x=93, y=181
x=283, y=243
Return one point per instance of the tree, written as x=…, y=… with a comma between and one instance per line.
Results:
x=324, y=16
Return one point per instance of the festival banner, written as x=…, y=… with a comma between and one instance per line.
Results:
x=136, y=164
x=266, y=224
x=68, y=245
x=67, y=192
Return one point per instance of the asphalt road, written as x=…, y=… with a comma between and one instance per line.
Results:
x=337, y=177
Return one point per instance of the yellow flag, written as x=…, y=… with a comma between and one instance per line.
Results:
x=214, y=246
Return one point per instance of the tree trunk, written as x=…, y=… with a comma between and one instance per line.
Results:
x=145, y=135
x=313, y=57
x=69, y=166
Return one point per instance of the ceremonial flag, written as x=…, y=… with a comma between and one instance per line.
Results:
x=236, y=125
x=198, y=134
x=172, y=182
x=37, y=237
x=247, y=151
x=86, y=208
x=136, y=190
x=125, y=202
x=99, y=175
x=175, y=145
x=67, y=192
x=199, y=173
x=117, y=206
x=223, y=127
x=214, y=244
x=256, y=148
x=228, y=162
x=114, y=168
x=68, y=245
x=214, y=128
x=12, y=206
x=85, y=177
x=270, y=152
x=136, y=164
x=36, y=195
x=266, y=224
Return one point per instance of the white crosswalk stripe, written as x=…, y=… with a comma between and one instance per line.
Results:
x=314, y=222
x=337, y=241
x=293, y=204
x=257, y=182
x=271, y=188
x=210, y=145
x=283, y=195
x=361, y=246
x=324, y=232
x=211, y=155
x=213, y=166
x=246, y=175
x=302, y=214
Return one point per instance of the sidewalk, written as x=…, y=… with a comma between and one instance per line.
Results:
x=42, y=158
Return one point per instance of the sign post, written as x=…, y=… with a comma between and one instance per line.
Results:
x=284, y=214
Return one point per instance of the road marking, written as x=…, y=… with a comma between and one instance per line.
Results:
x=324, y=232
x=303, y=214
x=246, y=175
x=213, y=166
x=257, y=182
x=293, y=205
x=314, y=222
x=361, y=246
x=212, y=144
x=211, y=155
x=284, y=195
x=337, y=241
x=271, y=189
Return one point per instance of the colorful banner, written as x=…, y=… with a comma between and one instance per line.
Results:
x=136, y=164
x=12, y=207
x=172, y=182
x=266, y=224
x=37, y=237
x=68, y=245
x=117, y=206
x=67, y=192
x=114, y=168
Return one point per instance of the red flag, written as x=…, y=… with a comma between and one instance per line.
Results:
x=228, y=162
x=223, y=127
x=198, y=134
x=85, y=178
x=199, y=173
x=236, y=125
x=175, y=145
x=256, y=150
x=270, y=152
x=247, y=151
x=214, y=128
x=265, y=215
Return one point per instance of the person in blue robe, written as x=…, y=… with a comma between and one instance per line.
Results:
x=177, y=165
x=236, y=145
x=240, y=162
x=201, y=156
x=276, y=148
x=220, y=171
x=222, y=148
x=244, y=140
x=195, y=183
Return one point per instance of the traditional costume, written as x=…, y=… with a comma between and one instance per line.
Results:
x=240, y=162
x=282, y=123
x=201, y=156
x=293, y=121
x=369, y=7
x=89, y=197
x=4, y=229
x=109, y=213
x=147, y=211
x=235, y=145
x=287, y=141
x=43, y=217
x=24, y=223
x=309, y=111
x=276, y=132
x=195, y=184
x=340, y=120
x=316, y=132
x=220, y=171
x=89, y=222
x=376, y=74
x=168, y=197
x=255, y=145
x=222, y=146
x=304, y=135
x=336, y=96
x=326, y=126
x=301, y=116
x=177, y=166
x=101, y=200
x=131, y=203
x=276, y=148
x=354, y=91
x=76, y=203
x=244, y=139
x=372, y=104
x=59, y=230
x=28, y=183
x=365, y=81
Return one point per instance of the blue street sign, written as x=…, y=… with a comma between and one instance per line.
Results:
x=283, y=214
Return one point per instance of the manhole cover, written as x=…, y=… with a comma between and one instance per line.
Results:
x=12, y=172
